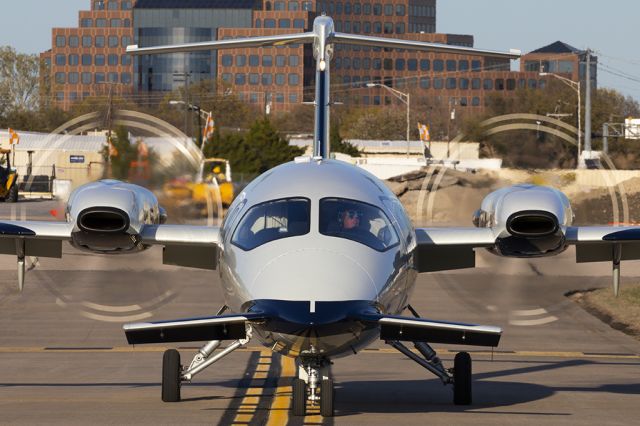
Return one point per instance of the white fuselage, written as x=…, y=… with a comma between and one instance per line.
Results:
x=312, y=277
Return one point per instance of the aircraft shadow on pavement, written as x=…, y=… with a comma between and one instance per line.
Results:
x=429, y=395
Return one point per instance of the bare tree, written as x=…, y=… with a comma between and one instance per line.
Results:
x=19, y=75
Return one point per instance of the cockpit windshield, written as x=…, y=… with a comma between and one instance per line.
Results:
x=272, y=221
x=357, y=221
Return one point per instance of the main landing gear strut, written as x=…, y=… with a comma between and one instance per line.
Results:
x=313, y=384
x=459, y=376
x=174, y=374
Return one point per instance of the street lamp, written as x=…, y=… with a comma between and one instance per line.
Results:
x=404, y=97
x=575, y=85
x=197, y=110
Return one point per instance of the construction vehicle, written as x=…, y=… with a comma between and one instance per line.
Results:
x=8, y=178
x=213, y=187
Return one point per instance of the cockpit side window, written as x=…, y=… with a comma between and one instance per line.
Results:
x=272, y=221
x=357, y=221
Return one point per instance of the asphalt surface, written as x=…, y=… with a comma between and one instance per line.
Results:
x=64, y=358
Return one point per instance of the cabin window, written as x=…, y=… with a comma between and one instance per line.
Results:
x=271, y=221
x=357, y=221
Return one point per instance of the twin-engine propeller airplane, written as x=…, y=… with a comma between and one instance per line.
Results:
x=317, y=258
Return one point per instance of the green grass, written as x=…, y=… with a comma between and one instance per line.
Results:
x=621, y=312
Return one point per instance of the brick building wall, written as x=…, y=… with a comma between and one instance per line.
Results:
x=84, y=60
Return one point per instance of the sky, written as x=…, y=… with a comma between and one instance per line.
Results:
x=610, y=28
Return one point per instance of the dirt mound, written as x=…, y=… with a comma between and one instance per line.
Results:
x=449, y=197
x=441, y=196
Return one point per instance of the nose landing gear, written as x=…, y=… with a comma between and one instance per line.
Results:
x=314, y=385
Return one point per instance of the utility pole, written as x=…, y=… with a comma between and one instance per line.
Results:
x=587, y=118
x=186, y=78
x=452, y=116
x=109, y=123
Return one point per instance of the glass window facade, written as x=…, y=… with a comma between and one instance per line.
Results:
x=156, y=73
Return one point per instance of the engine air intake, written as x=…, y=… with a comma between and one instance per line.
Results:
x=103, y=219
x=532, y=224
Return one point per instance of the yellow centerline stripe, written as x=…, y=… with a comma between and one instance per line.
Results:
x=279, y=410
x=251, y=400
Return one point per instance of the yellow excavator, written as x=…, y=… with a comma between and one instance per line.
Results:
x=8, y=178
x=214, y=186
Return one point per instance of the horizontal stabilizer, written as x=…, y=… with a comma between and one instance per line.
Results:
x=424, y=330
x=238, y=43
x=225, y=327
x=397, y=43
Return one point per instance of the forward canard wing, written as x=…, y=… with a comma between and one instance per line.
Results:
x=224, y=327
x=425, y=330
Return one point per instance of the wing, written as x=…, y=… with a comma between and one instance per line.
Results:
x=425, y=330
x=440, y=249
x=225, y=327
x=183, y=245
x=453, y=248
x=605, y=243
x=444, y=249
x=33, y=238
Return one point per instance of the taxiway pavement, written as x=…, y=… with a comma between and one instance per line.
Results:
x=64, y=358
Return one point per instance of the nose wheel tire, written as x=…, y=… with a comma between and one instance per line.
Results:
x=462, y=379
x=171, y=369
x=299, y=396
x=327, y=397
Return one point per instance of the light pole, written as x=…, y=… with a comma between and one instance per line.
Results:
x=197, y=110
x=452, y=116
x=404, y=97
x=575, y=85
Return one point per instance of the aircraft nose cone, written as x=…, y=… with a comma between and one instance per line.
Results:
x=313, y=274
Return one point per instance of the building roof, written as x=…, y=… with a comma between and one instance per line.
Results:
x=48, y=142
x=195, y=4
x=558, y=47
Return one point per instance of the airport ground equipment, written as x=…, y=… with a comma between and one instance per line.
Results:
x=8, y=178
x=212, y=188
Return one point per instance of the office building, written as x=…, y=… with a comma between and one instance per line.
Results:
x=89, y=59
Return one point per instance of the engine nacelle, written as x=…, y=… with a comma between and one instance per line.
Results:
x=109, y=216
x=528, y=220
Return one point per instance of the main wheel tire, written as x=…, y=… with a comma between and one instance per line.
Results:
x=299, y=395
x=327, y=398
x=12, y=196
x=462, y=379
x=171, y=376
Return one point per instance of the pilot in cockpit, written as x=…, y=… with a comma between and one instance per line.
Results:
x=349, y=220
